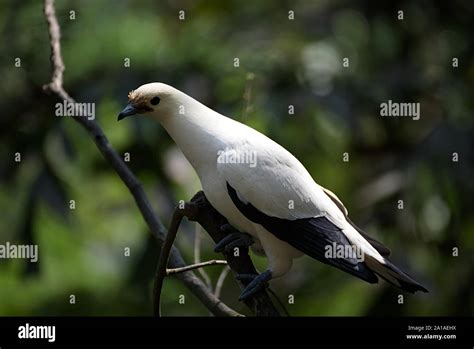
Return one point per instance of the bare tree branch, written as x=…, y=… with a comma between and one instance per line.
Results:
x=193, y=283
x=220, y=281
x=205, y=214
x=282, y=305
x=189, y=210
x=197, y=256
x=212, y=221
x=200, y=210
x=163, y=260
x=199, y=265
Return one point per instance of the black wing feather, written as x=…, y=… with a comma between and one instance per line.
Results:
x=384, y=251
x=308, y=235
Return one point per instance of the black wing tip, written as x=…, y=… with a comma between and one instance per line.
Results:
x=407, y=283
x=412, y=288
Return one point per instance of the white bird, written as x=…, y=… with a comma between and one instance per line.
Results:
x=264, y=191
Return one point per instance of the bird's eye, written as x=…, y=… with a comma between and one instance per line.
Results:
x=155, y=100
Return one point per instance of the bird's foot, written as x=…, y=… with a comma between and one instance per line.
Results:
x=257, y=283
x=233, y=240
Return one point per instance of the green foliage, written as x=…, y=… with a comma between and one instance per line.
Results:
x=282, y=63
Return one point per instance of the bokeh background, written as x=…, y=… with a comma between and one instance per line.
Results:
x=282, y=62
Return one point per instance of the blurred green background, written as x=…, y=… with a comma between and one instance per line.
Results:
x=282, y=62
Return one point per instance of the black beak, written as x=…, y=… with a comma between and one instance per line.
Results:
x=129, y=110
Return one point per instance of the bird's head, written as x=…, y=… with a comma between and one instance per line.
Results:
x=155, y=99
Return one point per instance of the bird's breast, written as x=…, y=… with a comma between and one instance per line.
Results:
x=214, y=186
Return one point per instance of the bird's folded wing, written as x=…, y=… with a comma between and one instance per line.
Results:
x=383, y=250
x=317, y=237
x=277, y=192
x=277, y=184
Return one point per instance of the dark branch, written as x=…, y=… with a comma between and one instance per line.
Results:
x=193, y=283
x=212, y=221
x=201, y=211
x=189, y=210
x=174, y=271
x=163, y=260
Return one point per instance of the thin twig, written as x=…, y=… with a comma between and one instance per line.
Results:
x=174, y=271
x=220, y=281
x=193, y=283
x=197, y=256
x=189, y=210
x=247, y=96
x=163, y=260
x=282, y=305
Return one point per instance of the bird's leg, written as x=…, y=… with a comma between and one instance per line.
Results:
x=234, y=239
x=257, y=283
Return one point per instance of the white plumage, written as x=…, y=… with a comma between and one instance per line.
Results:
x=276, y=185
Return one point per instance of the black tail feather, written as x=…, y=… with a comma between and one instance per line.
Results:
x=395, y=276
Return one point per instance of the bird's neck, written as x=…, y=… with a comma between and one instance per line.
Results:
x=200, y=134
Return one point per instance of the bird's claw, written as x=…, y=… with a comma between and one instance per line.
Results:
x=256, y=284
x=234, y=239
